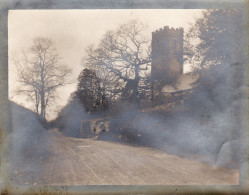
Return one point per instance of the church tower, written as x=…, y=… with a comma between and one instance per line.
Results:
x=167, y=56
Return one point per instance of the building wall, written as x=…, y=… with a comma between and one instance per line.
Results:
x=167, y=56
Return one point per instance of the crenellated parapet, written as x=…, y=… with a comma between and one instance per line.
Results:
x=166, y=30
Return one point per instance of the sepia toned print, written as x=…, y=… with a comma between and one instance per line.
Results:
x=118, y=97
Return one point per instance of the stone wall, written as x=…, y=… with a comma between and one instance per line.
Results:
x=167, y=56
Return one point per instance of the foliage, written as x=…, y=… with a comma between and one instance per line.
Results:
x=214, y=38
x=89, y=90
x=68, y=119
x=214, y=46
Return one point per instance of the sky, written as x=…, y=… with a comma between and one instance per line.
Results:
x=73, y=31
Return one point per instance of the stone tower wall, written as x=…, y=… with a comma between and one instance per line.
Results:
x=167, y=56
x=167, y=52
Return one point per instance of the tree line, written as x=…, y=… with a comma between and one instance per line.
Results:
x=118, y=68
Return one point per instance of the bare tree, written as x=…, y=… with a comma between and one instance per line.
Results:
x=123, y=54
x=40, y=73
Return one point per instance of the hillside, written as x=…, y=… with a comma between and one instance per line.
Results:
x=29, y=142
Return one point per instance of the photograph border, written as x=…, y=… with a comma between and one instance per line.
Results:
x=7, y=188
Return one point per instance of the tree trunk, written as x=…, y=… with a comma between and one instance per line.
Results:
x=42, y=106
x=37, y=101
x=135, y=86
x=42, y=94
x=37, y=108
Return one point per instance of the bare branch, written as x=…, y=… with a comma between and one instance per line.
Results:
x=40, y=73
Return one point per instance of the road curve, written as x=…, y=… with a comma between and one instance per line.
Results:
x=76, y=161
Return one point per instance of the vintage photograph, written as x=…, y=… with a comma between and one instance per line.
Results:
x=125, y=96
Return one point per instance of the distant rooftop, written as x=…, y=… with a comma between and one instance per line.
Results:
x=185, y=83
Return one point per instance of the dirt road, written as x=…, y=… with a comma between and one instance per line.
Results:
x=77, y=161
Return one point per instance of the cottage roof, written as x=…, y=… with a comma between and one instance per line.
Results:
x=184, y=83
